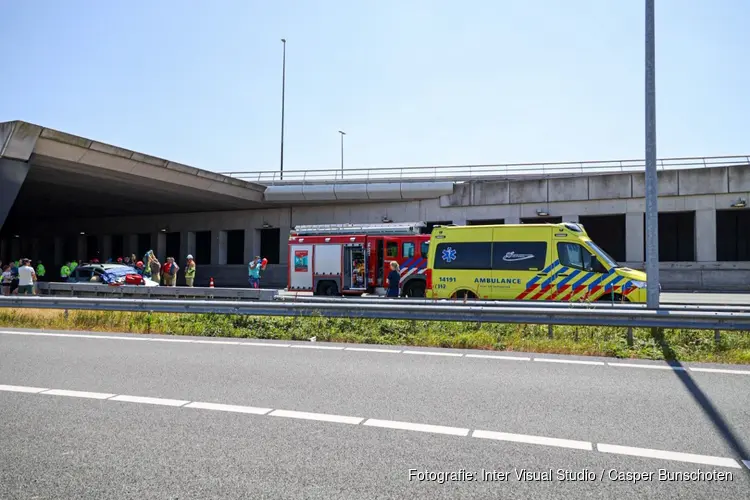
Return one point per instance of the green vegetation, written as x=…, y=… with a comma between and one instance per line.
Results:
x=683, y=345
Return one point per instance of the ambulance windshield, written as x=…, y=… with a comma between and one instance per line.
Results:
x=604, y=256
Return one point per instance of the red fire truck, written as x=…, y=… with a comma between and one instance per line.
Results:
x=352, y=259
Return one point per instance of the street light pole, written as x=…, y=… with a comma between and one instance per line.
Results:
x=652, y=180
x=342, y=152
x=283, y=92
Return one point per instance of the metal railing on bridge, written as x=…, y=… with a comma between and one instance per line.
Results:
x=478, y=172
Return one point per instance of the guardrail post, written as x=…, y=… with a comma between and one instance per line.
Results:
x=630, y=336
x=550, y=331
x=65, y=315
x=717, y=336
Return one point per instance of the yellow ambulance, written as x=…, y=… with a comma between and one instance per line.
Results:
x=526, y=262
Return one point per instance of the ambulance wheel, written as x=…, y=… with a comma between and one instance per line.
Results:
x=612, y=298
x=328, y=288
x=464, y=294
x=415, y=290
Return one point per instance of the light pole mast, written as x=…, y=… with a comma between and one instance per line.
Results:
x=283, y=92
x=342, y=152
x=652, y=180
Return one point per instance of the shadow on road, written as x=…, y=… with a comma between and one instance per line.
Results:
x=741, y=452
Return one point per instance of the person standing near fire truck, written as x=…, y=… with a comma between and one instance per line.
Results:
x=394, y=280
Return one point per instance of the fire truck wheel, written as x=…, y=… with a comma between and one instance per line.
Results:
x=327, y=288
x=416, y=289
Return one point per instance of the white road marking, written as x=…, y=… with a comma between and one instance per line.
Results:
x=489, y=356
x=20, y=388
x=322, y=417
x=219, y=342
x=150, y=401
x=651, y=367
x=371, y=349
x=434, y=353
x=720, y=370
x=392, y=424
x=231, y=408
x=324, y=347
x=368, y=349
x=668, y=455
x=570, y=361
x=523, y=438
x=264, y=344
x=409, y=426
x=78, y=394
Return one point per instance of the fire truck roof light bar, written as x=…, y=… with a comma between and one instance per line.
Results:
x=389, y=228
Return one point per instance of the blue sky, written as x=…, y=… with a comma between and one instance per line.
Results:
x=412, y=82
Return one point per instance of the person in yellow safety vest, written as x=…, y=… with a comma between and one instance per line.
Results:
x=65, y=271
x=190, y=271
x=73, y=266
x=40, y=270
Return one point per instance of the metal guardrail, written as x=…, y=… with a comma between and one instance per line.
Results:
x=703, y=320
x=666, y=306
x=477, y=172
x=157, y=292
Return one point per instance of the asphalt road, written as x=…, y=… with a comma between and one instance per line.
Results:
x=312, y=420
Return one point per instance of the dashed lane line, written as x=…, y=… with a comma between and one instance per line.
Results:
x=669, y=455
x=397, y=425
x=388, y=351
x=570, y=361
x=522, y=438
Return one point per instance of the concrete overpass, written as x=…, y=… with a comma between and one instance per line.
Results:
x=74, y=197
x=45, y=172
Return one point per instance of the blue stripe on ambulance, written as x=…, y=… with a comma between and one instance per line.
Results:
x=547, y=269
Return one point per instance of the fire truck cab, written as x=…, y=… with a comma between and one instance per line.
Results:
x=353, y=259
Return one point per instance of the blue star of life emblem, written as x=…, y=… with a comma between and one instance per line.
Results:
x=449, y=254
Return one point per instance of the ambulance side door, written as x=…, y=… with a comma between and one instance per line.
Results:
x=519, y=261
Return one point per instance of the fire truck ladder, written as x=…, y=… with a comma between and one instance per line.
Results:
x=393, y=228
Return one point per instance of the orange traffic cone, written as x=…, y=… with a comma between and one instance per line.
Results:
x=211, y=283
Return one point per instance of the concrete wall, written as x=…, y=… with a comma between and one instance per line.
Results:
x=567, y=197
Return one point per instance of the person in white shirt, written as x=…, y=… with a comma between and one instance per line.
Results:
x=26, y=278
x=6, y=279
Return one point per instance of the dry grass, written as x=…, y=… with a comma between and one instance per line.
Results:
x=685, y=345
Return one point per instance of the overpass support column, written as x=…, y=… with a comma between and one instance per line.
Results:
x=15, y=249
x=250, y=236
x=59, y=251
x=35, y=251
x=160, y=246
x=4, y=251
x=106, y=247
x=634, y=234
x=705, y=226
x=131, y=245
x=218, y=248
x=12, y=175
x=187, y=245
x=81, y=249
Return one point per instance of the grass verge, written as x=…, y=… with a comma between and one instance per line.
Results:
x=682, y=345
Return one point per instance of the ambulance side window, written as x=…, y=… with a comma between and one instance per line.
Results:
x=391, y=250
x=408, y=249
x=576, y=256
